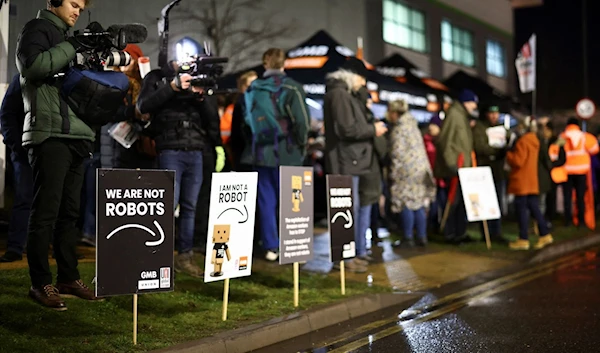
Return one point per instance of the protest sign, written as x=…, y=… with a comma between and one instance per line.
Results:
x=479, y=193
x=296, y=212
x=341, y=217
x=134, y=230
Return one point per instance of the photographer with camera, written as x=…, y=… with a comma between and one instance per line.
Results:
x=58, y=142
x=184, y=123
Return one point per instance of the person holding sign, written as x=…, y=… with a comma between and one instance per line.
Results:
x=184, y=123
x=411, y=179
x=489, y=144
x=524, y=184
x=455, y=140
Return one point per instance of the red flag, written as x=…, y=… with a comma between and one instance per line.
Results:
x=454, y=182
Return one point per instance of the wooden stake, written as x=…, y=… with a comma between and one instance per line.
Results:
x=225, y=299
x=486, y=231
x=296, y=283
x=445, y=216
x=343, y=277
x=135, y=314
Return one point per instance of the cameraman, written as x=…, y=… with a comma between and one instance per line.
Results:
x=184, y=123
x=58, y=144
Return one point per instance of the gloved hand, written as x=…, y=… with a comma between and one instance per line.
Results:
x=220, y=159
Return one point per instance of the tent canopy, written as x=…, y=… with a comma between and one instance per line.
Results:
x=486, y=93
x=403, y=70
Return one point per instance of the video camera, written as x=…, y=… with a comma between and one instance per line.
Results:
x=205, y=70
x=104, y=47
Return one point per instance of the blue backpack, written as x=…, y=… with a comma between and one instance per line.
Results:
x=94, y=96
x=265, y=111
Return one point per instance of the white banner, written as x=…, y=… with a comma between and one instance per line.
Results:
x=525, y=64
x=230, y=226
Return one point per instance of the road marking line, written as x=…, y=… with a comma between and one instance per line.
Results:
x=544, y=270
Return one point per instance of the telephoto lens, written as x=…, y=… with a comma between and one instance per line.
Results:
x=118, y=58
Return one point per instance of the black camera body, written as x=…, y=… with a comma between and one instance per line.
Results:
x=205, y=71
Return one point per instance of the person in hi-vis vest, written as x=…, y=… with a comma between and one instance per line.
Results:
x=579, y=147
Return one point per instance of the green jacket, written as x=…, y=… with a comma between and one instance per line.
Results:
x=486, y=155
x=42, y=52
x=292, y=150
x=455, y=138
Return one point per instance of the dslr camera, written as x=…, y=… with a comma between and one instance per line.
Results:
x=205, y=71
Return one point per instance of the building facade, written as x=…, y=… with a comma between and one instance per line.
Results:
x=438, y=36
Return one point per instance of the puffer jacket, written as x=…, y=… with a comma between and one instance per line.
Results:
x=455, y=138
x=42, y=52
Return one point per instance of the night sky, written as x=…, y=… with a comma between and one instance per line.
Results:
x=558, y=25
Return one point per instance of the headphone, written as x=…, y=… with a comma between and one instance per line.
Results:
x=56, y=3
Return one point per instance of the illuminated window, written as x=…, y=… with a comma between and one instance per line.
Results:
x=495, y=59
x=457, y=45
x=404, y=26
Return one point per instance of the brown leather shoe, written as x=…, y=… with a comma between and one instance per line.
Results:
x=48, y=297
x=77, y=289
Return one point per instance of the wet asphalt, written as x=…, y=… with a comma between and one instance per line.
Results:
x=557, y=312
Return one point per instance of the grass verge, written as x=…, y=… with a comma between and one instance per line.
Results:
x=192, y=312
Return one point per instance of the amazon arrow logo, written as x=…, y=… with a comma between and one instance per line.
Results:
x=139, y=226
x=240, y=212
x=345, y=215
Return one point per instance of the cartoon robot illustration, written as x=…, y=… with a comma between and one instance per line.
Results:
x=475, y=204
x=297, y=197
x=220, y=238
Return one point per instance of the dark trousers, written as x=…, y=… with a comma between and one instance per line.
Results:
x=209, y=160
x=57, y=180
x=551, y=203
x=524, y=205
x=19, y=217
x=88, y=196
x=456, y=225
x=577, y=182
x=267, y=202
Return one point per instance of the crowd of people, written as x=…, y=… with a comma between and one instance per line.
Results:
x=399, y=172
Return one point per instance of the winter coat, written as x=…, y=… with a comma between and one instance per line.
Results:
x=410, y=176
x=42, y=52
x=455, y=138
x=291, y=150
x=180, y=120
x=12, y=117
x=544, y=167
x=369, y=186
x=523, y=160
x=488, y=156
x=349, y=135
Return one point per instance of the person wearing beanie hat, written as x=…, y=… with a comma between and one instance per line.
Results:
x=491, y=156
x=350, y=148
x=455, y=143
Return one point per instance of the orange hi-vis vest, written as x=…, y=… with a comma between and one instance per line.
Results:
x=580, y=145
x=559, y=174
x=226, y=120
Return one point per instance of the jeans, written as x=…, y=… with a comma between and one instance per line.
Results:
x=57, y=180
x=456, y=225
x=436, y=209
x=362, y=216
x=89, y=196
x=201, y=229
x=529, y=203
x=19, y=217
x=267, y=202
x=188, y=181
x=577, y=182
x=414, y=219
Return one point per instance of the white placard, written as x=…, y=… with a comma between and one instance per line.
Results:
x=496, y=136
x=230, y=226
x=479, y=193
